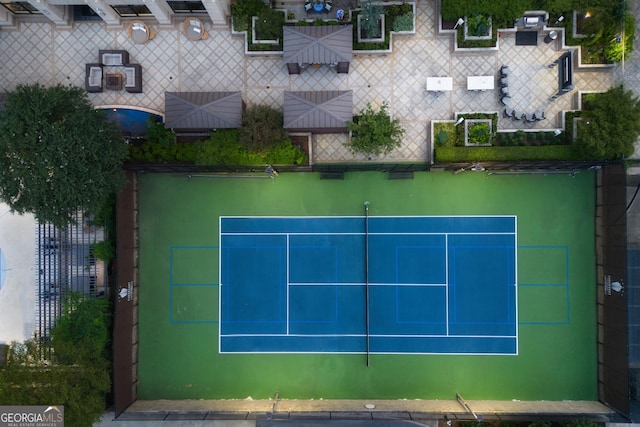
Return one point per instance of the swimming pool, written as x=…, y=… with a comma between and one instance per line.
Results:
x=132, y=122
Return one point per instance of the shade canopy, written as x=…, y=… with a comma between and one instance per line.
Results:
x=202, y=110
x=329, y=44
x=318, y=111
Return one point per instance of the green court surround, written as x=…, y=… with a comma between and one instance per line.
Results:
x=178, y=305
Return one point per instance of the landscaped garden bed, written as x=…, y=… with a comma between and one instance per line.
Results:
x=262, y=25
x=457, y=143
x=396, y=18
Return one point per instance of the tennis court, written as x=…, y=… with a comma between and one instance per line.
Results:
x=368, y=285
x=448, y=284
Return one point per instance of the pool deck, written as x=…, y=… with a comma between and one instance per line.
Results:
x=40, y=52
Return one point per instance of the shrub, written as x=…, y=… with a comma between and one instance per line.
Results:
x=223, y=148
x=373, y=132
x=403, y=22
x=269, y=24
x=104, y=250
x=370, y=20
x=475, y=154
x=442, y=137
x=479, y=133
x=81, y=334
x=613, y=50
x=156, y=132
x=477, y=25
x=261, y=128
x=243, y=10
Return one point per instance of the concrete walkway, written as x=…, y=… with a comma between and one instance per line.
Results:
x=248, y=413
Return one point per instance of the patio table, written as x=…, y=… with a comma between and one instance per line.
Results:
x=139, y=32
x=318, y=6
x=439, y=83
x=480, y=82
x=193, y=29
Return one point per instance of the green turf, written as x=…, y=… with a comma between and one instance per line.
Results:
x=178, y=345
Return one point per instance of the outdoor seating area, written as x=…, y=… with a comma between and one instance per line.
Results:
x=526, y=83
x=318, y=6
x=120, y=73
x=506, y=101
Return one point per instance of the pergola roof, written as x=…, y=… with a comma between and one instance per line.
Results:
x=318, y=110
x=202, y=110
x=317, y=45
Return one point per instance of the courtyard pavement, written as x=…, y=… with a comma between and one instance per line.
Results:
x=40, y=52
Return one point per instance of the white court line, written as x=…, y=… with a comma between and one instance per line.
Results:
x=445, y=285
x=360, y=216
x=446, y=279
x=288, y=284
x=425, y=285
x=515, y=280
x=412, y=336
x=321, y=233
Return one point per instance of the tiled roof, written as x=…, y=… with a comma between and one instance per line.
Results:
x=312, y=110
x=203, y=110
x=318, y=44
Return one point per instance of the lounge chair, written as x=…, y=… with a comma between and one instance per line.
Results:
x=504, y=71
x=133, y=78
x=508, y=112
x=93, y=78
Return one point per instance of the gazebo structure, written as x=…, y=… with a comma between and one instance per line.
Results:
x=188, y=112
x=329, y=44
x=318, y=111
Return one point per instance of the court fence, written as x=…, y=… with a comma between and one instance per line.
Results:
x=125, y=322
x=65, y=264
x=612, y=339
x=390, y=167
x=610, y=219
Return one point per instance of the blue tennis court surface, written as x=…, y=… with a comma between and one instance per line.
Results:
x=436, y=285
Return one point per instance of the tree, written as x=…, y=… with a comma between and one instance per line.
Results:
x=261, y=128
x=610, y=125
x=57, y=153
x=77, y=373
x=373, y=132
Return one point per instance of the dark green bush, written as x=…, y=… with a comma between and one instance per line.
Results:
x=261, y=128
x=222, y=148
x=81, y=334
x=474, y=154
x=243, y=10
x=269, y=24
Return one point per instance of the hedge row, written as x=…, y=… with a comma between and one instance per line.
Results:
x=472, y=154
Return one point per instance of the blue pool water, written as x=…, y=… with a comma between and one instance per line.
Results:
x=130, y=122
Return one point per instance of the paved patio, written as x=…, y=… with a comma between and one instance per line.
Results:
x=39, y=52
